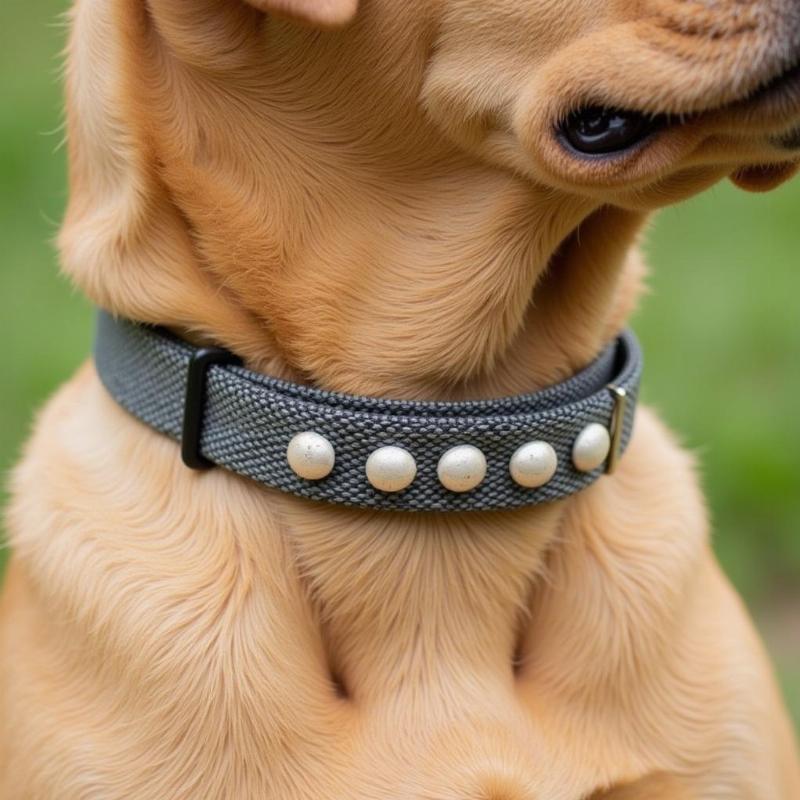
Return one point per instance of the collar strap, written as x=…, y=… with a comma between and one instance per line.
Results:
x=373, y=453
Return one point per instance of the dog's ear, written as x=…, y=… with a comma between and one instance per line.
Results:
x=654, y=787
x=325, y=13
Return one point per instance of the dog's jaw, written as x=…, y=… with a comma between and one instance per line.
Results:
x=700, y=67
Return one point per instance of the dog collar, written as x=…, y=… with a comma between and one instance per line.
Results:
x=368, y=452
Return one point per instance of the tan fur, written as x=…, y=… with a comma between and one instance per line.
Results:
x=383, y=209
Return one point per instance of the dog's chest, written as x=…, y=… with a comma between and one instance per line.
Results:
x=192, y=629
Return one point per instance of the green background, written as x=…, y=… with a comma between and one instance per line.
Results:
x=721, y=329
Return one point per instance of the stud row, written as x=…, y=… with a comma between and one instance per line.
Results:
x=461, y=469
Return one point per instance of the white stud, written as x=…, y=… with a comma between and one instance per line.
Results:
x=533, y=464
x=391, y=469
x=462, y=468
x=591, y=448
x=310, y=456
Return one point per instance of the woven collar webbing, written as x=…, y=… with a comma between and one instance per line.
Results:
x=245, y=421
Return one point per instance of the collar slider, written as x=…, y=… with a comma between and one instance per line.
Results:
x=617, y=426
x=199, y=363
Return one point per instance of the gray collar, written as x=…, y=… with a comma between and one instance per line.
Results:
x=373, y=453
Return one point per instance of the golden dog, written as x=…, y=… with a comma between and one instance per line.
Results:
x=389, y=199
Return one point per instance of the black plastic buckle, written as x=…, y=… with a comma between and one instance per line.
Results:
x=194, y=404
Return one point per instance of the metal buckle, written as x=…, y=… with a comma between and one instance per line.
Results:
x=617, y=426
x=194, y=403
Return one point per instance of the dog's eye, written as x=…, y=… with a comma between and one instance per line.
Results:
x=599, y=131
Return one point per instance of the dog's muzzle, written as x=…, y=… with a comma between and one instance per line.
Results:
x=374, y=453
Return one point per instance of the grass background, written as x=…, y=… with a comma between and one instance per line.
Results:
x=721, y=330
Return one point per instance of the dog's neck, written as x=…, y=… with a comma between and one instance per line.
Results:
x=352, y=246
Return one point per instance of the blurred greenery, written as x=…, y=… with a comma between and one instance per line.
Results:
x=721, y=330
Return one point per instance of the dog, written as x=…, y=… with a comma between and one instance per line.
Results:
x=427, y=200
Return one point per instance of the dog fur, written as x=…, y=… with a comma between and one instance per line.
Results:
x=372, y=199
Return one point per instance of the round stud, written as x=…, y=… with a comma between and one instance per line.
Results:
x=391, y=469
x=533, y=464
x=310, y=456
x=462, y=468
x=591, y=448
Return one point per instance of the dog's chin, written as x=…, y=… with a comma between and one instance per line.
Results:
x=764, y=177
x=779, y=94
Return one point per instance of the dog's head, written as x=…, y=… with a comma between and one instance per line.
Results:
x=408, y=169
x=633, y=101
x=636, y=101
